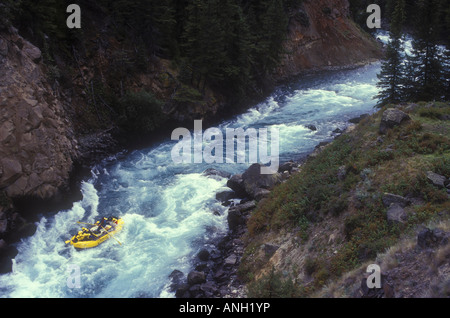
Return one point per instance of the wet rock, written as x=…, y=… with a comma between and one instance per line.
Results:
x=7, y=254
x=230, y=260
x=209, y=289
x=311, y=127
x=221, y=276
x=235, y=219
x=237, y=215
x=391, y=118
x=253, y=180
x=428, y=238
x=225, y=197
x=236, y=183
x=195, y=278
x=203, y=255
x=287, y=166
x=356, y=120
x=176, y=277
x=183, y=291
x=211, y=172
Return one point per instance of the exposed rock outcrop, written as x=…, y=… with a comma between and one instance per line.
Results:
x=392, y=117
x=322, y=36
x=37, y=144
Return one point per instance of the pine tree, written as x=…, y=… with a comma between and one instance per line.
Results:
x=446, y=74
x=391, y=77
x=164, y=27
x=268, y=25
x=426, y=59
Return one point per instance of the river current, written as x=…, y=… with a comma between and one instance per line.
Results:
x=169, y=209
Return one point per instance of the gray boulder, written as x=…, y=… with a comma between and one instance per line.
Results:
x=237, y=215
x=287, y=166
x=391, y=118
x=396, y=214
x=436, y=179
x=253, y=180
x=428, y=238
x=356, y=120
x=195, y=278
x=236, y=183
x=389, y=198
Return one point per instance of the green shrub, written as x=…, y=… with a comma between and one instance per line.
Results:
x=140, y=112
x=187, y=94
x=311, y=265
x=273, y=285
x=433, y=112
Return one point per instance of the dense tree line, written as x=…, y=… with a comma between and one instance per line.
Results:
x=421, y=73
x=225, y=44
x=229, y=46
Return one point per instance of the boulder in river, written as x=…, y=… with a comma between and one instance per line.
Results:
x=225, y=197
x=216, y=174
x=236, y=183
x=195, y=278
x=356, y=120
x=253, y=180
x=237, y=215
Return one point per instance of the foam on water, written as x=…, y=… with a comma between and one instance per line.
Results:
x=170, y=211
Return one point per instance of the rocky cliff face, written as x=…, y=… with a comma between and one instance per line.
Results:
x=322, y=36
x=37, y=147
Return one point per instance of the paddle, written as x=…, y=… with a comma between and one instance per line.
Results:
x=109, y=234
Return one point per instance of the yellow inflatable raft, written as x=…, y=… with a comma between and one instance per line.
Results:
x=97, y=234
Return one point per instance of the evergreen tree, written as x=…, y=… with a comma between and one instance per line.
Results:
x=268, y=25
x=391, y=77
x=426, y=59
x=446, y=74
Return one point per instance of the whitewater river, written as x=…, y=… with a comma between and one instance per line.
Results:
x=169, y=209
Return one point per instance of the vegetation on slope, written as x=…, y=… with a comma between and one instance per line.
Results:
x=330, y=217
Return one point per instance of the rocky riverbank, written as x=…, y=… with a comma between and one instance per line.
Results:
x=381, y=187
x=221, y=271
x=215, y=273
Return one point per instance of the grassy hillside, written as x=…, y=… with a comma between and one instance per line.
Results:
x=331, y=217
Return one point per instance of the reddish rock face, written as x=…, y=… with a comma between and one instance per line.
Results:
x=321, y=35
x=37, y=147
